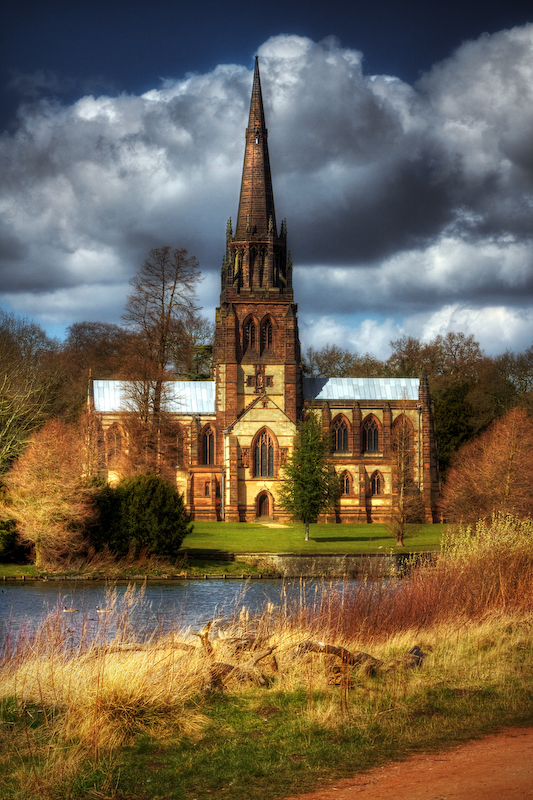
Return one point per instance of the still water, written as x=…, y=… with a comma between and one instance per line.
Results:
x=155, y=606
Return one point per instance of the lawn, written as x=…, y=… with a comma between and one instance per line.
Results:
x=264, y=538
x=207, y=545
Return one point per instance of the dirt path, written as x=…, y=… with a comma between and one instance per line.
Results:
x=499, y=767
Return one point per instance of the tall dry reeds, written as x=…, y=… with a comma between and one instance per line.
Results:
x=482, y=568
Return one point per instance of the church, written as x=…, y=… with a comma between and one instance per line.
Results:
x=237, y=430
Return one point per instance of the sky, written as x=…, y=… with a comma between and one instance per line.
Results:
x=401, y=148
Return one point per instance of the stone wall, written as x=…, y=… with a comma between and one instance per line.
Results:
x=326, y=565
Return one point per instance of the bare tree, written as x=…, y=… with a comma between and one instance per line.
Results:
x=493, y=472
x=194, y=354
x=160, y=311
x=29, y=383
x=453, y=357
x=407, y=505
x=334, y=361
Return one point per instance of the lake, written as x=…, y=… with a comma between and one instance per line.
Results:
x=153, y=606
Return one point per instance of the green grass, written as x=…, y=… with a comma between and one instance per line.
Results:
x=261, y=538
x=19, y=570
x=244, y=755
x=210, y=538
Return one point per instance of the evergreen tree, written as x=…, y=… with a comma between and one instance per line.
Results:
x=143, y=512
x=310, y=484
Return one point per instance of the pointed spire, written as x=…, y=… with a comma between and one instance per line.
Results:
x=256, y=205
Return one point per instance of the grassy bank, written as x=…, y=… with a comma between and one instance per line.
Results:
x=215, y=539
x=258, y=707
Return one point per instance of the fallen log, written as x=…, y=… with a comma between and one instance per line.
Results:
x=357, y=659
x=105, y=650
x=219, y=672
x=263, y=654
x=414, y=658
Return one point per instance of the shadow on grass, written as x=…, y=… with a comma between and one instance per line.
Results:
x=348, y=538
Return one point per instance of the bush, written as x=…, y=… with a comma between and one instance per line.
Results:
x=142, y=513
x=488, y=565
x=492, y=473
x=10, y=547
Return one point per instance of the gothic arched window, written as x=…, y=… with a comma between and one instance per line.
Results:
x=266, y=334
x=339, y=430
x=370, y=435
x=376, y=484
x=264, y=456
x=114, y=442
x=249, y=335
x=208, y=446
x=346, y=484
x=403, y=445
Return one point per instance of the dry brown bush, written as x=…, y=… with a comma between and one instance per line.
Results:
x=493, y=472
x=48, y=496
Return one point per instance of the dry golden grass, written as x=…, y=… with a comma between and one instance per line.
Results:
x=469, y=615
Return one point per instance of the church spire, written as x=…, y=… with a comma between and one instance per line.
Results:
x=256, y=259
x=256, y=205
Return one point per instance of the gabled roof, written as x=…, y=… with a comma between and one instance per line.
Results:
x=263, y=400
x=181, y=397
x=361, y=389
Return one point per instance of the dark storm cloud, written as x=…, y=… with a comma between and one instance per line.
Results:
x=401, y=200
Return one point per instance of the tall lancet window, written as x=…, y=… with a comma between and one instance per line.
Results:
x=339, y=435
x=266, y=335
x=208, y=447
x=249, y=335
x=370, y=436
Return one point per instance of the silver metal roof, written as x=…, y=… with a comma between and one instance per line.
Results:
x=361, y=388
x=180, y=397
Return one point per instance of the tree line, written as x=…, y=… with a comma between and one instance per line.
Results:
x=44, y=383
x=52, y=499
x=469, y=388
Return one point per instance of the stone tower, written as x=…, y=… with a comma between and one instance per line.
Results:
x=257, y=348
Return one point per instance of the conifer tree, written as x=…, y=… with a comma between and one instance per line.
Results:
x=310, y=484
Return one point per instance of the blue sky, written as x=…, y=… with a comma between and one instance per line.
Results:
x=400, y=142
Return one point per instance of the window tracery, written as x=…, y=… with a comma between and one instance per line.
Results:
x=339, y=430
x=208, y=446
x=370, y=435
x=376, y=484
x=346, y=484
x=264, y=456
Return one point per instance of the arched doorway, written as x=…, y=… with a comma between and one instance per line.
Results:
x=263, y=506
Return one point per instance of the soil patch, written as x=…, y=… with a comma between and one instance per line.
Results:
x=498, y=766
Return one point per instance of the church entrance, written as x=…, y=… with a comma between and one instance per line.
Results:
x=263, y=506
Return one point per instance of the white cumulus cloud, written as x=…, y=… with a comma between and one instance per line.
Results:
x=408, y=207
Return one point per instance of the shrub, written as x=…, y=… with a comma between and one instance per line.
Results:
x=142, y=513
x=492, y=472
x=10, y=547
